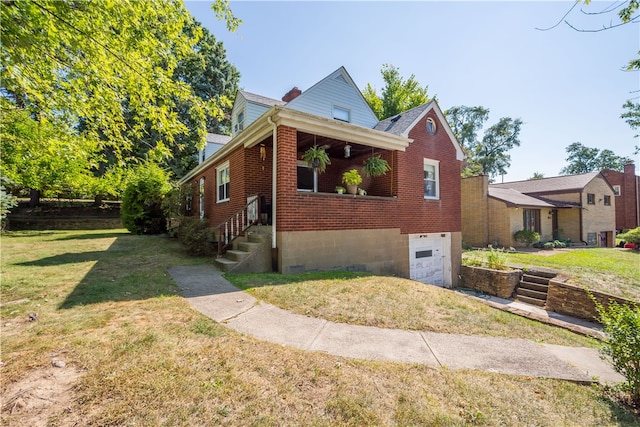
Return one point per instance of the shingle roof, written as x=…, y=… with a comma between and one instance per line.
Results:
x=514, y=197
x=399, y=123
x=547, y=185
x=259, y=99
x=217, y=138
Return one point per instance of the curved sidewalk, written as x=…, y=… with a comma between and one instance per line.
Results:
x=211, y=294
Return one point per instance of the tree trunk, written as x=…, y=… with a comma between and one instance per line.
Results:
x=34, y=198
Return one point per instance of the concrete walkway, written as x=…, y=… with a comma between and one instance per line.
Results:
x=212, y=295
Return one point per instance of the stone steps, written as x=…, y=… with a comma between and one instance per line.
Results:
x=534, y=286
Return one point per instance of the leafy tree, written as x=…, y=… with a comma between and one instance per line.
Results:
x=537, y=175
x=80, y=60
x=632, y=117
x=397, y=95
x=43, y=156
x=142, y=203
x=584, y=159
x=491, y=154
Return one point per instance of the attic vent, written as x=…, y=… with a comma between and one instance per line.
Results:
x=341, y=79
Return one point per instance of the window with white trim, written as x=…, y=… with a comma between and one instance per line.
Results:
x=341, y=114
x=239, y=122
x=431, y=179
x=616, y=190
x=222, y=178
x=202, y=198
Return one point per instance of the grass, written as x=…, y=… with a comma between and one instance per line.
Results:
x=613, y=271
x=392, y=302
x=107, y=307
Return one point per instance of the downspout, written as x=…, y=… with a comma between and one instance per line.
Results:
x=274, y=181
x=581, y=227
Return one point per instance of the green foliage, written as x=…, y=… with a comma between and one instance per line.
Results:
x=584, y=159
x=632, y=116
x=631, y=236
x=496, y=259
x=317, y=157
x=197, y=236
x=351, y=177
x=142, y=203
x=526, y=237
x=537, y=175
x=549, y=246
x=559, y=244
x=95, y=63
x=44, y=155
x=340, y=189
x=398, y=95
x=622, y=326
x=7, y=201
x=491, y=154
x=375, y=166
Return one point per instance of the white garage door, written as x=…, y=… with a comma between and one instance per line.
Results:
x=427, y=258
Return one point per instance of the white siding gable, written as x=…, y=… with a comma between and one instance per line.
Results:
x=336, y=90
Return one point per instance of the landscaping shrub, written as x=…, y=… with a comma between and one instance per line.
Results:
x=559, y=244
x=496, y=259
x=622, y=326
x=7, y=202
x=197, y=236
x=526, y=237
x=631, y=236
x=548, y=246
x=141, y=210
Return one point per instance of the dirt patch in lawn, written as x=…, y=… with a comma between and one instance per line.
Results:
x=43, y=396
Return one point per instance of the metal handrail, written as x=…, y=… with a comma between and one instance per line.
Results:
x=235, y=226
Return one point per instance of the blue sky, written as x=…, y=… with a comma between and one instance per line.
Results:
x=565, y=85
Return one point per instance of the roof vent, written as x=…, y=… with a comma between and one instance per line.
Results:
x=292, y=94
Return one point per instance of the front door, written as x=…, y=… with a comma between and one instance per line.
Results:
x=426, y=259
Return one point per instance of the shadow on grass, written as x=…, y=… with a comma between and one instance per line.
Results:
x=93, y=236
x=131, y=268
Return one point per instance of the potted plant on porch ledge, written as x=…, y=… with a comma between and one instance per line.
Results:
x=351, y=179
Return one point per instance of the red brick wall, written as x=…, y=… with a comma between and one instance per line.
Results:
x=409, y=211
x=627, y=204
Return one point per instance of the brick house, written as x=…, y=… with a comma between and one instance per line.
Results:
x=576, y=207
x=408, y=223
x=626, y=187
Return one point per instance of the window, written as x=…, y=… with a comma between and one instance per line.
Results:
x=222, y=176
x=431, y=125
x=591, y=199
x=531, y=219
x=592, y=239
x=341, y=114
x=607, y=200
x=202, y=198
x=305, y=177
x=239, y=122
x=616, y=190
x=431, y=179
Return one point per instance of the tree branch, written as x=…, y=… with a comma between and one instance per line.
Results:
x=561, y=19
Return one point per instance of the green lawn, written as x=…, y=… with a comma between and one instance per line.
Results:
x=609, y=270
x=136, y=353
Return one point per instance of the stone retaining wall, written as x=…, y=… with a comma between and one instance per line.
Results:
x=500, y=283
x=575, y=301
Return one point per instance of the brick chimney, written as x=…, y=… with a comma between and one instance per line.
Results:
x=291, y=95
x=630, y=168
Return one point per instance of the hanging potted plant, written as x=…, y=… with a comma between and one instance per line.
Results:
x=351, y=179
x=375, y=166
x=317, y=158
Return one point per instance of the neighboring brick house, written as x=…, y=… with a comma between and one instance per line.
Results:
x=576, y=207
x=408, y=224
x=626, y=187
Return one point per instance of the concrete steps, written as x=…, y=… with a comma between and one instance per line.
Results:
x=534, y=286
x=243, y=248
